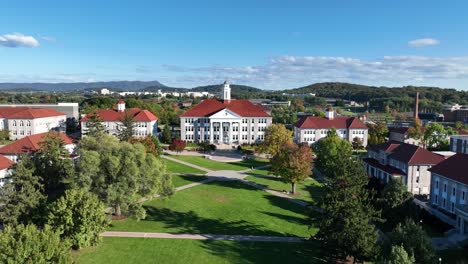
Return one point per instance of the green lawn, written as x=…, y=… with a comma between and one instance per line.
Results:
x=147, y=250
x=222, y=207
x=309, y=190
x=174, y=167
x=181, y=180
x=216, y=165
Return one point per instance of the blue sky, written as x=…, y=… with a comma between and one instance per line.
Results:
x=267, y=44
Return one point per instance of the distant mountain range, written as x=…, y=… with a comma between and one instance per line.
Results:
x=59, y=87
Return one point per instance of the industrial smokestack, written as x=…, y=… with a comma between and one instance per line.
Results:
x=416, y=106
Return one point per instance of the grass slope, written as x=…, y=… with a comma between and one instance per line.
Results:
x=216, y=165
x=181, y=180
x=174, y=167
x=309, y=190
x=222, y=208
x=146, y=250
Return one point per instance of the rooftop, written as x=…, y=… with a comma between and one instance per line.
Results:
x=31, y=143
x=27, y=113
x=243, y=108
x=339, y=122
x=454, y=168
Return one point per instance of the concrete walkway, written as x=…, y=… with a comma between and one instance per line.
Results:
x=204, y=237
x=186, y=163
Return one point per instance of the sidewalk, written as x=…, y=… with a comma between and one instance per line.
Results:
x=204, y=237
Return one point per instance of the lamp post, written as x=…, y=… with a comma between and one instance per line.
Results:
x=440, y=260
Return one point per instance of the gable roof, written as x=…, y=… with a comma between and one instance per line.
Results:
x=408, y=153
x=27, y=113
x=453, y=168
x=5, y=163
x=110, y=115
x=243, y=108
x=30, y=144
x=339, y=122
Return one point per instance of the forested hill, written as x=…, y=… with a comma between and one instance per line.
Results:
x=78, y=86
x=363, y=93
x=237, y=91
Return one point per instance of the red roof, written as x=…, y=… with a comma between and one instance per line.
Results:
x=5, y=163
x=387, y=168
x=339, y=122
x=27, y=113
x=454, y=168
x=30, y=144
x=243, y=108
x=113, y=115
x=408, y=153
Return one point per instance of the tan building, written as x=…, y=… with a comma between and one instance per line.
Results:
x=450, y=189
x=24, y=121
x=400, y=160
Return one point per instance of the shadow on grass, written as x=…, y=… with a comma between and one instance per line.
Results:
x=265, y=252
x=191, y=223
x=316, y=192
x=286, y=204
x=248, y=163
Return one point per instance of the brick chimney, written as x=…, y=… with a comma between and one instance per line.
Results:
x=416, y=106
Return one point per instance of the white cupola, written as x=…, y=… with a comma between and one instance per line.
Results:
x=226, y=91
x=329, y=113
x=121, y=105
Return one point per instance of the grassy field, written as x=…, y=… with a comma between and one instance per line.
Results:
x=227, y=207
x=309, y=190
x=147, y=250
x=174, y=167
x=216, y=165
x=181, y=180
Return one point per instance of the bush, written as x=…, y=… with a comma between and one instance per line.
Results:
x=177, y=145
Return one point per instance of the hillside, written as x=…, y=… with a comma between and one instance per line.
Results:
x=122, y=85
x=237, y=91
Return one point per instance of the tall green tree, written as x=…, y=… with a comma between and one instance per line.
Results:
x=377, y=133
x=328, y=150
x=436, y=136
x=95, y=124
x=415, y=241
x=166, y=136
x=53, y=165
x=28, y=244
x=276, y=136
x=345, y=227
x=22, y=195
x=398, y=255
x=293, y=163
x=126, y=126
x=119, y=172
x=79, y=217
x=416, y=131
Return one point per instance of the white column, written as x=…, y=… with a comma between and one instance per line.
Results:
x=211, y=132
x=230, y=132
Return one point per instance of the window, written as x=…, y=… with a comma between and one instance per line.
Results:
x=445, y=187
x=453, y=191
x=29, y=123
x=436, y=199
x=452, y=207
x=14, y=122
x=463, y=196
x=437, y=184
x=417, y=179
x=443, y=203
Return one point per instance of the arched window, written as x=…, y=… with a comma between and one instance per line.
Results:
x=21, y=123
x=29, y=123
x=14, y=122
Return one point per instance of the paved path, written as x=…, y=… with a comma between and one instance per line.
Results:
x=204, y=237
x=186, y=163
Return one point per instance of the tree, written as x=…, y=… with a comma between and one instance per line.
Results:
x=79, y=217
x=52, y=164
x=28, y=244
x=328, y=150
x=276, y=136
x=166, y=136
x=95, y=125
x=415, y=241
x=22, y=195
x=177, y=145
x=119, y=173
x=377, y=133
x=4, y=134
x=436, y=136
x=151, y=143
x=416, y=131
x=127, y=126
x=345, y=227
x=357, y=143
x=293, y=163
x=398, y=255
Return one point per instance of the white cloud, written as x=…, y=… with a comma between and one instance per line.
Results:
x=423, y=42
x=291, y=71
x=18, y=40
x=50, y=39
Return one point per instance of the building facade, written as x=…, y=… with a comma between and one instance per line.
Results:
x=5, y=165
x=449, y=191
x=145, y=122
x=31, y=144
x=24, y=121
x=310, y=129
x=408, y=162
x=226, y=121
x=401, y=134
x=459, y=143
